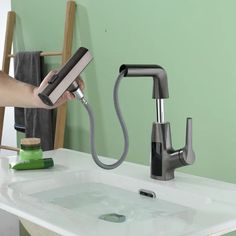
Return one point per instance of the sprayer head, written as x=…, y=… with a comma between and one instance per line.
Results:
x=65, y=78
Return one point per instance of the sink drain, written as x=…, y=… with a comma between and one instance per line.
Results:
x=113, y=217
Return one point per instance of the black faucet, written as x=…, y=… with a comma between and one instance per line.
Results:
x=164, y=159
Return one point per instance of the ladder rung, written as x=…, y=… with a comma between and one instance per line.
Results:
x=15, y=149
x=43, y=54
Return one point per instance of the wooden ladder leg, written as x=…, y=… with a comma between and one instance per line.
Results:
x=66, y=53
x=6, y=59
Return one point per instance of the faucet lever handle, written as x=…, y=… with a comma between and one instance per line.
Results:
x=189, y=155
x=189, y=133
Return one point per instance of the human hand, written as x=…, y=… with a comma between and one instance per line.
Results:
x=64, y=98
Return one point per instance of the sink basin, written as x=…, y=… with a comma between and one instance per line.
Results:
x=91, y=195
x=76, y=198
x=88, y=195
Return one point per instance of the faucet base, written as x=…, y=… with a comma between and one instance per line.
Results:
x=168, y=176
x=160, y=147
x=164, y=160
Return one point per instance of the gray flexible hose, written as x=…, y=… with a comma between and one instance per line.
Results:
x=122, y=124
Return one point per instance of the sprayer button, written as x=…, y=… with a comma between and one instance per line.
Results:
x=52, y=80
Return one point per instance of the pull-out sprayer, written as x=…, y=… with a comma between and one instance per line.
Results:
x=65, y=78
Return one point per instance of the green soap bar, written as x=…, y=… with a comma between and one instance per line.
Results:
x=33, y=164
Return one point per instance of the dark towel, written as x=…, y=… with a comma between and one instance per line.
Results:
x=34, y=122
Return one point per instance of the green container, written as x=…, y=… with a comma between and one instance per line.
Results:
x=33, y=164
x=31, y=149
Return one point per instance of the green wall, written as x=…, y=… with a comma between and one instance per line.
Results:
x=193, y=40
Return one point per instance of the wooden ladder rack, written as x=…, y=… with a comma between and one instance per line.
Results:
x=65, y=54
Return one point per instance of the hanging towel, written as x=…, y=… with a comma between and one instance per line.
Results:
x=33, y=121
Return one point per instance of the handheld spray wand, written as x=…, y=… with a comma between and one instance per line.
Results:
x=65, y=79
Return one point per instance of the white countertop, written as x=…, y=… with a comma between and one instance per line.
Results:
x=210, y=205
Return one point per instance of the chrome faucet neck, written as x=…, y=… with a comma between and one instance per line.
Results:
x=160, y=110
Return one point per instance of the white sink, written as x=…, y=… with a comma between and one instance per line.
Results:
x=72, y=202
x=91, y=194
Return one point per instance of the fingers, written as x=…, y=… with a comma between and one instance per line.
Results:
x=80, y=82
x=64, y=98
x=49, y=76
x=69, y=95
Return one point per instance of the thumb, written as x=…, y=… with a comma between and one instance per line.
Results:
x=45, y=80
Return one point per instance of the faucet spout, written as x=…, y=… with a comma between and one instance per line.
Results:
x=160, y=84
